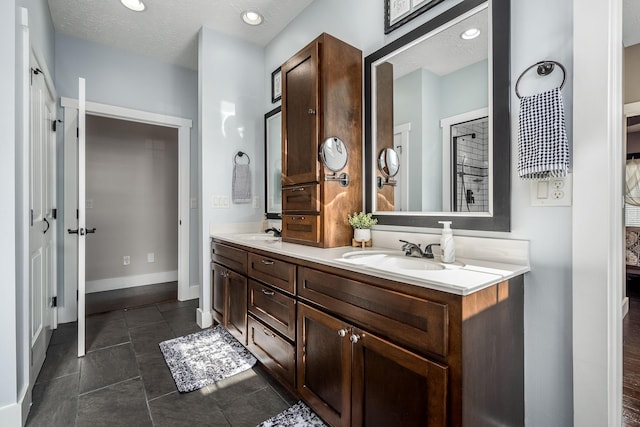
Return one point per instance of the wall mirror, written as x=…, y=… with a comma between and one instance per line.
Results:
x=273, y=163
x=439, y=97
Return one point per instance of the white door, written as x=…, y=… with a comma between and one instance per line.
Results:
x=42, y=229
x=81, y=231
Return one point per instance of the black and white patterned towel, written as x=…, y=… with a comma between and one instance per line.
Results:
x=298, y=415
x=543, y=148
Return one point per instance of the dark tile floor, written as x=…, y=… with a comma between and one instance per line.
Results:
x=123, y=379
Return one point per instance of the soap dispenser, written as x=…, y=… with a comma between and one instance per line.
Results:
x=447, y=245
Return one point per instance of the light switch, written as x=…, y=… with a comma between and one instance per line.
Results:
x=552, y=192
x=543, y=189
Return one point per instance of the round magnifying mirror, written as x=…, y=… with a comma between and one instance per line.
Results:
x=388, y=162
x=334, y=154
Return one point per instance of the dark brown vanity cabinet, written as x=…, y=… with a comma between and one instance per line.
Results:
x=321, y=98
x=229, y=289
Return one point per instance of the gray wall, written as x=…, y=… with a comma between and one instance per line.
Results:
x=541, y=29
x=231, y=87
x=632, y=74
x=128, y=80
x=132, y=183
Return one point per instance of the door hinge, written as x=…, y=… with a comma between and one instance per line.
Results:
x=35, y=71
x=77, y=132
x=54, y=213
x=31, y=218
x=77, y=213
x=54, y=301
x=77, y=295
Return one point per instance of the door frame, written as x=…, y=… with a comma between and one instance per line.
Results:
x=68, y=312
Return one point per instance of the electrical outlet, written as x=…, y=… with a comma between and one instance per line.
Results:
x=151, y=257
x=126, y=260
x=88, y=203
x=553, y=192
x=224, y=202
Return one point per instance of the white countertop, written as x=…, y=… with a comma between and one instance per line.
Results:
x=463, y=278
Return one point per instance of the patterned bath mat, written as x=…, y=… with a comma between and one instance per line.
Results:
x=299, y=415
x=204, y=358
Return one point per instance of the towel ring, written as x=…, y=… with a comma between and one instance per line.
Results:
x=241, y=154
x=544, y=69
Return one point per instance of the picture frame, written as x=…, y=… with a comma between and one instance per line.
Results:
x=276, y=85
x=399, y=12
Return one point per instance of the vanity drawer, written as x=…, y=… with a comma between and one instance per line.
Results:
x=273, y=272
x=301, y=228
x=415, y=322
x=273, y=308
x=235, y=259
x=301, y=198
x=273, y=351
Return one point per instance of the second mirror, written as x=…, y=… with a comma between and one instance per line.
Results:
x=333, y=154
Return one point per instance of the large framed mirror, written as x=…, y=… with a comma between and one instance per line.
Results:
x=273, y=164
x=439, y=97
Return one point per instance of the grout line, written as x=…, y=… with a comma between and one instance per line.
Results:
x=110, y=385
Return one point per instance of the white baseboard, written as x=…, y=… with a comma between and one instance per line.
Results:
x=204, y=319
x=625, y=306
x=110, y=284
x=11, y=415
x=25, y=403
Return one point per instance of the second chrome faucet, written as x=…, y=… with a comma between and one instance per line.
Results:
x=411, y=249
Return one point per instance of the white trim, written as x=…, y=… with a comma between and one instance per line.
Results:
x=112, y=283
x=192, y=292
x=598, y=200
x=445, y=125
x=42, y=64
x=115, y=112
x=204, y=319
x=403, y=130
x=68, y=312
x=625, y=306
x=10, y=414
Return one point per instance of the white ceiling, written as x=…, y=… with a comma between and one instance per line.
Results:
x=168, y=29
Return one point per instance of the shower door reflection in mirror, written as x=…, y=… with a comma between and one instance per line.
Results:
x=273, y=163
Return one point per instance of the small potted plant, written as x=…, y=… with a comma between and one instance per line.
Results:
x=361, y=224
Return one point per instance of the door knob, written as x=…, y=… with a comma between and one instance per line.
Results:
x=70, y=231
x=91, y=230
x=48, y=225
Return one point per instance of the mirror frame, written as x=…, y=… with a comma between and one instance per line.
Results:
x=267, y=116
x=499, y=107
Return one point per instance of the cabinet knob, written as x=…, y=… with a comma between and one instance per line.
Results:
x=311, y=111
x=268, y=292
x=354, y=338
x=267, y=262
x=342, y=332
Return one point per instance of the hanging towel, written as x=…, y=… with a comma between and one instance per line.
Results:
x=543, y=148
x=241, y=191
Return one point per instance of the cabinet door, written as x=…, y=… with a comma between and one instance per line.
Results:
x=324, y=365
x=218, y=285
x=237, y=308
x=393, y=386
x=300, y=116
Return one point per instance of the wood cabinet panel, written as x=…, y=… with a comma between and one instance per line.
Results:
x=301, y=198
x=418, y=323
x=302, y=228
x=218, y=284
x=324, y=365
x=274, y=272
x=300, y=117
x=236, y=322
x=274, y=352
x=393, y=386
x=234, y=258
x=273, y=308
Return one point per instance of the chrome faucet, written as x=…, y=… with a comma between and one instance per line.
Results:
x=276, y=232
x=411, y=249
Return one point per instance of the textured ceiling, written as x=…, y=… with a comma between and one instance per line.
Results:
x=446, y=52
x=168, y=29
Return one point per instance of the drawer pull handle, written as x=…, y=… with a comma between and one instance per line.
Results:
x=342, y=332
x=354, y=338
x=267, y=262
x=297, y=189
x=268, y=292
x=267, y=333
x=297, y=218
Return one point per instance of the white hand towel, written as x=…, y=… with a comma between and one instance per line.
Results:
x=543, y=148
x=241, y=191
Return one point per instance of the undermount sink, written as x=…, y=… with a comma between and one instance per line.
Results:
x=260, y=236
x=396, y=261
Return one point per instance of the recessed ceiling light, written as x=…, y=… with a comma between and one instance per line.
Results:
x=135, y=5
x=252, y=18
x=471, y=33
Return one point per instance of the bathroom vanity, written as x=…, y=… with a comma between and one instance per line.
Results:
x=372, y=337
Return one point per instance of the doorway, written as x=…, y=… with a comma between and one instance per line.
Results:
x=185, y=292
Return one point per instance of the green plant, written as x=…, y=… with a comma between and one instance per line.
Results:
x=361, y=220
